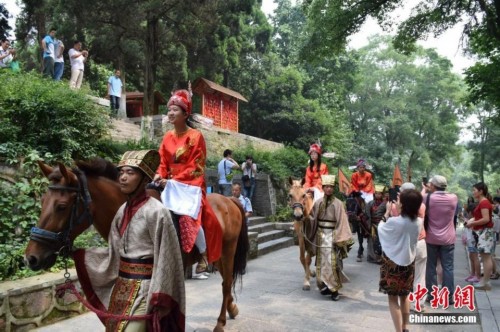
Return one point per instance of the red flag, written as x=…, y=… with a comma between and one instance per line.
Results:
x=397, y=179
x=344, y=184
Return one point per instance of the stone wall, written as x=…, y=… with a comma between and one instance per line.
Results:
x=217, y=139
x=31, y=302
x=264, y=200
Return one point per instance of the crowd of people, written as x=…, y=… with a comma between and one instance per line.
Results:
x=411, y=235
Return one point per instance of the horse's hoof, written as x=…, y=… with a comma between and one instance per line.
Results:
x=306, y=287
x=313, y=274
x=218, y=329
x=233, y=311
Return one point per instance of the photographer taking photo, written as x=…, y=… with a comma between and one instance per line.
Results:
x=249, y=169
x=7, y=54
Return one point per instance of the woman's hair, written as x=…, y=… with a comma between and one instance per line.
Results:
x=311, y=163
x=481, y=186
x=411, y=200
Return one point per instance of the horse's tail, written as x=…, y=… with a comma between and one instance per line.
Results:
x=240, y=256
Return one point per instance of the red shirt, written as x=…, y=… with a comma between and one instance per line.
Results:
x=362, y=182
x=313, y=178
x=483, y=204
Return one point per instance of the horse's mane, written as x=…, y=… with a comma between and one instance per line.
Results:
x=98, y=167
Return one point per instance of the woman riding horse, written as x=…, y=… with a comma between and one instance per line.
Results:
x=182, y=173
x=314, y=172
x=141, y=271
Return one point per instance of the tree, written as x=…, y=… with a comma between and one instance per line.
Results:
x=405, y=108
x=330, y=23
x=486, y=147
x=4, y=21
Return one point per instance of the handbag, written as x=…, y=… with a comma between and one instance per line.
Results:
x=14, y=65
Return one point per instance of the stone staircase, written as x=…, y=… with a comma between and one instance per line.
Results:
x=270, y=236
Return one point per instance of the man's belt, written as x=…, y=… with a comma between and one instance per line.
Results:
x=136, y=268
x=328, y=224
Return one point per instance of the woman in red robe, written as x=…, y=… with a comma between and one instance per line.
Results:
x=314, y=171
x=362, y=181
x=182, y=171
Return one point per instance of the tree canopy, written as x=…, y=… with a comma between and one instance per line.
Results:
x=4, y=22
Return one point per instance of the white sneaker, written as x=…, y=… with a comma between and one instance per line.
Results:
x=482, y=286
x=200, y=276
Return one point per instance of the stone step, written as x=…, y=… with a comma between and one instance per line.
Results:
x=261, y=228
x=274, y=245
x=271, y=235
x=252, y=221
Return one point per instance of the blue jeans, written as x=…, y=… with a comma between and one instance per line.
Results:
x=248, y=191
x=446, y=256
x=114, y=102
x=58, y=70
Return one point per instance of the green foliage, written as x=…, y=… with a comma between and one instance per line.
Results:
x=404, y=109
x=283, y=213
x=19, y=207
x=279, y=164
x=48, y=117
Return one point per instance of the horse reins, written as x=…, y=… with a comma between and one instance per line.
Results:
x=298, y=205
x=60, y=241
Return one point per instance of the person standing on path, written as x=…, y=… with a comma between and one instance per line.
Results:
x=333, y=239
x=225, y=171
x=77, y=58
x=482, y=225
x=59, y=59
x=141, y=270
x=249, y=169
x=48, y=53
x=399, y=237
x=115, y=92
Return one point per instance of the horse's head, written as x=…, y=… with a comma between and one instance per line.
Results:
x=297, y=198
x=56, y=224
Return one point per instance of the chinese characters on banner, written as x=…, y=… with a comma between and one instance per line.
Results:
x=462, y=297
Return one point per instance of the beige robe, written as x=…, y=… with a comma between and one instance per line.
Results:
x=150, y=234
x=332, y=244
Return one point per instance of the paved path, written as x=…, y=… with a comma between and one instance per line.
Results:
x=272, y=300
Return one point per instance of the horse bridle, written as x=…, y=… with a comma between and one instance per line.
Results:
x=60, y=241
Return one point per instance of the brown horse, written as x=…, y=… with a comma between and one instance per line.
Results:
x=302, y=205
x=90, y=193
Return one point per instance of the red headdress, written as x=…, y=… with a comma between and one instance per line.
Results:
x=315, y=148
x=181, y=98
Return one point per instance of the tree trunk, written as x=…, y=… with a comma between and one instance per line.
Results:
x=151, y=57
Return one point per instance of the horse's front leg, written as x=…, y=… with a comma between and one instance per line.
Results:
x=304, y=260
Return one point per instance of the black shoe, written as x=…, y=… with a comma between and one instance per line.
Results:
x=335, y=296
x=325, y=291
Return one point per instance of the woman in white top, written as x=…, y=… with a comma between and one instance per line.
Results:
x=398, y=237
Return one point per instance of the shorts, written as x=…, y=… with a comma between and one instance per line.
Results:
x=486, y=241
x=472, y=250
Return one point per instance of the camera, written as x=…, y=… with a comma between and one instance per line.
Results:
x=425, y=180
